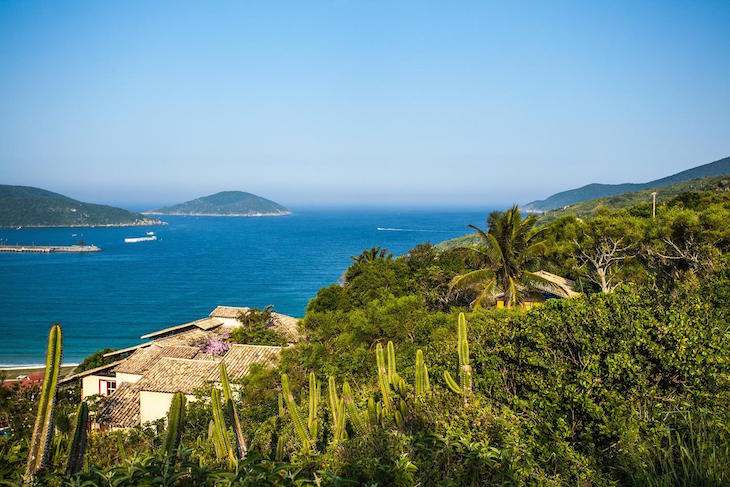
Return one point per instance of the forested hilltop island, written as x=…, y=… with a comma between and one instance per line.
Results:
x=225, y=203
x=26, y=206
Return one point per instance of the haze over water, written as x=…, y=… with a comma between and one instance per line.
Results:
x=111, y=298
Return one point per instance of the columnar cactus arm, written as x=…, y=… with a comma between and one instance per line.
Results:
x=175, y=424
x=462, y=346
x=393, y=377
x=464, y=364
x=213, y=437
x=220, y=427
x=299, y=425
x=42, y=440
x=337, y=406
x=451, y=383
x=241, y=446
x=383, y=379
x=356, y=418
x=422, y=383
x=77, y=447
x=312, y=422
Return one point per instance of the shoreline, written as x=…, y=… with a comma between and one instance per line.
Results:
x=12, y=367
x=48, y=249
x=220, y=214
x=144, y=223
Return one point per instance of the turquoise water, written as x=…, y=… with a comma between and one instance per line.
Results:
x=111, y=298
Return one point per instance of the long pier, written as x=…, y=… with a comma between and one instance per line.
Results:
x=47, y=249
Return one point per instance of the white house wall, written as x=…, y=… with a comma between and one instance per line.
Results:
x=155, y=405
x=122, y=378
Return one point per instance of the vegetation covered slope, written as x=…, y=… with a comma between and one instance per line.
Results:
x=596, y=190
x=34, y=207
x=595, y=206
x=231, y=203
x=628, y=384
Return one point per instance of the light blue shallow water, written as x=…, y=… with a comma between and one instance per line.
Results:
x=110, y=298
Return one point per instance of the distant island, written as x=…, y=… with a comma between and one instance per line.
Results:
x=596, y=190
x=225, y=203
x=26, y=206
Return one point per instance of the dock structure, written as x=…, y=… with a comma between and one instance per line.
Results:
x=47, y=249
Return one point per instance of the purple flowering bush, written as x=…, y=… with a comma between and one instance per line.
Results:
x=213, y=346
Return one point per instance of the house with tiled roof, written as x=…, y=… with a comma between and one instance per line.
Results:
x=139, y=386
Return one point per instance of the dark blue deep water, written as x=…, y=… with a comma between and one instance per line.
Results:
x=110, y=298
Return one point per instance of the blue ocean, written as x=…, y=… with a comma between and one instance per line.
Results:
x=111, y=298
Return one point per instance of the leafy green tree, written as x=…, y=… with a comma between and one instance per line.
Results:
x=504, y=255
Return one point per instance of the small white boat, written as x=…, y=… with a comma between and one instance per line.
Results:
x=139, y=239
x=150, y=233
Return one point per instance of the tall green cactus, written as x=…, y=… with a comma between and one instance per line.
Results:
x=383, y=376
x=357, y=419
x=393, y=376
x=301, y=428
x=220, y=432
x=213, y=438
x=77, y=446
x=423, y=386
x=175, y=424
x=464, y=387
x=241, y=446
x=312, y=421
x=337, y=406
x=42, y=440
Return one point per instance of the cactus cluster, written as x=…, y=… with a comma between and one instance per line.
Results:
x=232, y=414
x=462, y=345
x=41, y=443
x=175, y=425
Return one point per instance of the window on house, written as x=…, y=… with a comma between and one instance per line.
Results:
x=107, y=387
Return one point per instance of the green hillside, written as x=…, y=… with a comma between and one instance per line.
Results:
x=225, y=203
x=595, y=190
x=34, y=207
x=592, y=207
x=625, y=200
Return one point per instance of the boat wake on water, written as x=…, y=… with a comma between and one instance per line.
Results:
x=389, y=229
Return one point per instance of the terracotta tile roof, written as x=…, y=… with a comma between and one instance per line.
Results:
x=206, y=323
x=240, y=357
x=97, y=370
x=177, y=374
x=228, y=311
x=284, y=324
x=191, y=337
x=121, y=409
x=128, y=349
x=141, y=360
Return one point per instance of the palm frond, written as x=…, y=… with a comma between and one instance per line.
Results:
x=478, y=277
x=487, y=296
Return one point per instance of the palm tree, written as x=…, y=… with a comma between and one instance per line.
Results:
x=505, y=252
x=367, y=256
x=371, y=254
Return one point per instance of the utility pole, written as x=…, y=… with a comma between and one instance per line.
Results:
x=653, y=204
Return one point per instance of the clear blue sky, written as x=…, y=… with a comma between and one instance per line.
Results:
x=343, y=102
